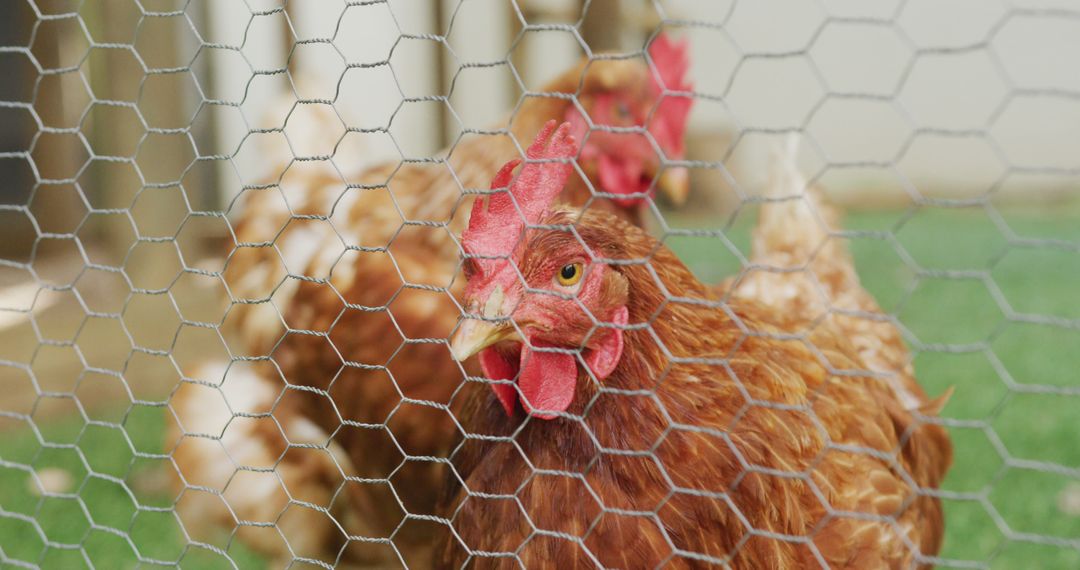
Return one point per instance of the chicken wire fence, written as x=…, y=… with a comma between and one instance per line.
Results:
x=217, y=280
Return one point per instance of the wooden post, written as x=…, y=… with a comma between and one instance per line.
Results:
x=206, y=195
x=109, y=183
x=518, y=57
x=603, y=26
x=441, y=70
x=15, y=239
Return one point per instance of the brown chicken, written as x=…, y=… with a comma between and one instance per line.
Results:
x=240, y=473
x=638, y=420
x=802, y=266
x=347, y=294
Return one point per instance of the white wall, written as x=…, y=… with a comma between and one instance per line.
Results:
x=941, y=96
x=946, y=97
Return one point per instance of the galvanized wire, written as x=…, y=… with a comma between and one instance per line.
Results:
x=199, y=205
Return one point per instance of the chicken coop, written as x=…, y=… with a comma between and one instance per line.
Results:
x=776, y=283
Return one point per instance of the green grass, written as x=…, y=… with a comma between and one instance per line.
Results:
x=105, y=517
x=114, y=515
x=964, y=314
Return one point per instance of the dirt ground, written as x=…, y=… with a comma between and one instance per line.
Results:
x=99, y=342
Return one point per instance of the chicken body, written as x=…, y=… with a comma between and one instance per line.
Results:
x=242, y=476
x=716, y=435
x=346, y=293
x=801, y=265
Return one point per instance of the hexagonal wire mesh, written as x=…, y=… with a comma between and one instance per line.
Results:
x=228, y=227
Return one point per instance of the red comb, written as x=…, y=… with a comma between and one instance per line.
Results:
x=494, y=230
x=671, y=61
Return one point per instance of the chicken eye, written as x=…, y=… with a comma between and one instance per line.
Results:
x=569, y=275
x=622, y=110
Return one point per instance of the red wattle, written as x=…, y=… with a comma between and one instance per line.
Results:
x=548, y=381
x=603, y=359
x=496, y=367
x=621, y=177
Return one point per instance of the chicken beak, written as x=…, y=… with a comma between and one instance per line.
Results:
x=475, y=335
x=674, y=183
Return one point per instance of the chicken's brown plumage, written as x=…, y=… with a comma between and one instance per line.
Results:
x=726, y=433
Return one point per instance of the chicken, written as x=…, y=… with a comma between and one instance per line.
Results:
x=231, y=486
x=636, y=419
x=230, y=425
x=347, y=291
x=801, y=265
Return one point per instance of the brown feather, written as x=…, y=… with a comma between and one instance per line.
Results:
x=757, y=435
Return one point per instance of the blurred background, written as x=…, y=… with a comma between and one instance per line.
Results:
x=949, y=130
